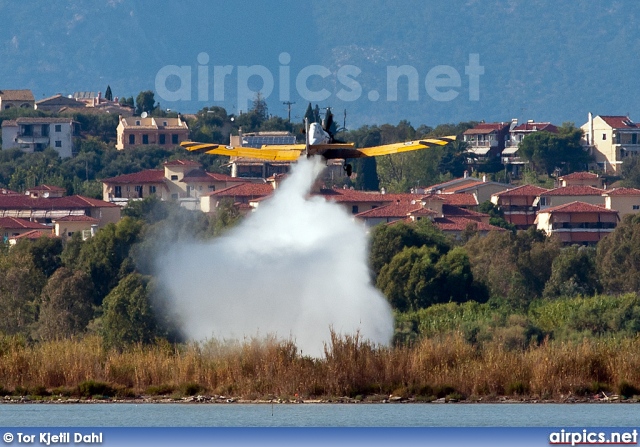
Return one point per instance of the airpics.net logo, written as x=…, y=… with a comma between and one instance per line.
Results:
x=313, y=83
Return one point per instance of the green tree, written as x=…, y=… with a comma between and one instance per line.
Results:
x=549, y=152
x=127, y=313
x=107, y=94
x=367, y=174
x=145, y=102
x=618, y=257
x=573, y=272
x=389, y=240
x=102, y=256
x=65, y=305
x=496, y=216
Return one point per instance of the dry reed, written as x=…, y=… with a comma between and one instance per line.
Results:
x=434, y=367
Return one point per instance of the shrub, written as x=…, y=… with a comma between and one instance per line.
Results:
x=90, y=388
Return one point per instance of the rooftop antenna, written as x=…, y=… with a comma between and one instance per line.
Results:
x=288, y=104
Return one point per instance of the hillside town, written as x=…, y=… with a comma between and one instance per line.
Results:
x=580, y=208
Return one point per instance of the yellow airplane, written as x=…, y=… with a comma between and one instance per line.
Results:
x=319, y=141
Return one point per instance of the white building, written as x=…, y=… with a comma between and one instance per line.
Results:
x=37, y=134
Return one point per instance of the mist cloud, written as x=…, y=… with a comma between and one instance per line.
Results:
x=296, y=268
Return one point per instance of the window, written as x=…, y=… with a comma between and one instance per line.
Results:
x=118, y=192
x=354, y=209
x=70, y=233
x=543, y=201
x=212, y=187
x=138, y=189
x=137, y=122
x=174, y=138
x=636, y=207
x=604, y=136
x=132, y=139
x=58, y=128
x=634, y=138
x=174, y=178
x=163, y=139
x=174, y=196
x=152, y=189
x=58, y=143
x=145, y=139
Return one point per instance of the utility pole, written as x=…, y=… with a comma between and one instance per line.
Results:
x=288, y=104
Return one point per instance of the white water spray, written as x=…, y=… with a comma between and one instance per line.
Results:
x=296, y=268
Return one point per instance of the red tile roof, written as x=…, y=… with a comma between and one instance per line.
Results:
x=460, y=199
x=522, y=191
x=16, y=95
x=200, y=175
x=619, y=122
x=23, y=202
x=34, y=234
x=578, y=207
x=77, y=219
x=181, y=163
x=532, y=127
x=4, y=191
x=575, y=190
x=451, y=183
x=579, y=176
x=460, y=224
x=395, y=210
x=47, y=188
x=10, y=223
x=450, y=210
x=243, y=190
x=622, y=192
x=351, y=195
x=148, y=176
x=485, y=128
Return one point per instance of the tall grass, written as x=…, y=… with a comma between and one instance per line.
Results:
x=439, y=366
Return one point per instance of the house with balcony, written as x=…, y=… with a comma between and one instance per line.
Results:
x=486, y=140
x=577, y=222
x=519, y=205
x=611, y=140
x=37, y=134
x=567, y=194
x=582, y=179
x=20, y=99
x=134, y=131
x=182, y=181
x=13, y=226
x=517, y=132
x=624, y=200
x=253, y=168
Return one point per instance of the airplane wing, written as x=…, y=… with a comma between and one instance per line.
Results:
x=387, y=149
x=280, y=154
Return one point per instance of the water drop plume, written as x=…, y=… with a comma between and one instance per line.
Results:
x=296, y=268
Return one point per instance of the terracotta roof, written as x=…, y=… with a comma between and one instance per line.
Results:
x=460, y=224
x=579, y=176
x=399, y=210
x=24, y=202
x=5, y=191
x=485, y=128
x=456, y=188
x=459, y=199
x=524, y=190
x=532, y=127
x=77, y=219
x=60, y=100
x=34, y=234
x=244, y=190
x=622, y=192
x=47, y=188
x=578, y=207
x=16, y=95
x=619, y=122
x=43, y=120
x=200, y=175
x=10, y=223
x=148, y=176
x=9, y=123
x=181, y=163
x=352, y=195
x=450, y=210
x=452, y=183
x=575, y=190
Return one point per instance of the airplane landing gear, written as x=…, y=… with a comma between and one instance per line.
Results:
x=348, y=169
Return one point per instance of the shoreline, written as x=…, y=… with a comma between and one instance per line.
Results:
x=372, y=400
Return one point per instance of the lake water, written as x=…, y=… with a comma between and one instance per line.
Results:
x=319, y=415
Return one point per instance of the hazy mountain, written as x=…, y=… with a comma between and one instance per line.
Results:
x=542, y=59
